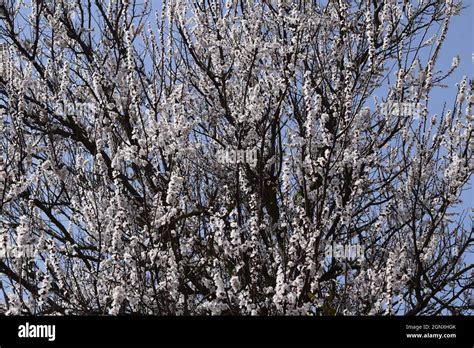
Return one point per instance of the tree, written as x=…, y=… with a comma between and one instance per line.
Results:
x=231, y=157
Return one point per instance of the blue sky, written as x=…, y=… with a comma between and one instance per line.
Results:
x=460, y=40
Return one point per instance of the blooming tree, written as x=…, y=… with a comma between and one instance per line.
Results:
x=232, y=157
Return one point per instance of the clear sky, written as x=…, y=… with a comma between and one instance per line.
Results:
x=460, y=40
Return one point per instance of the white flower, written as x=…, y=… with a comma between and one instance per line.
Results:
x=235, y=283
x=455, y=62
x=173, y=189
x=118, y=296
